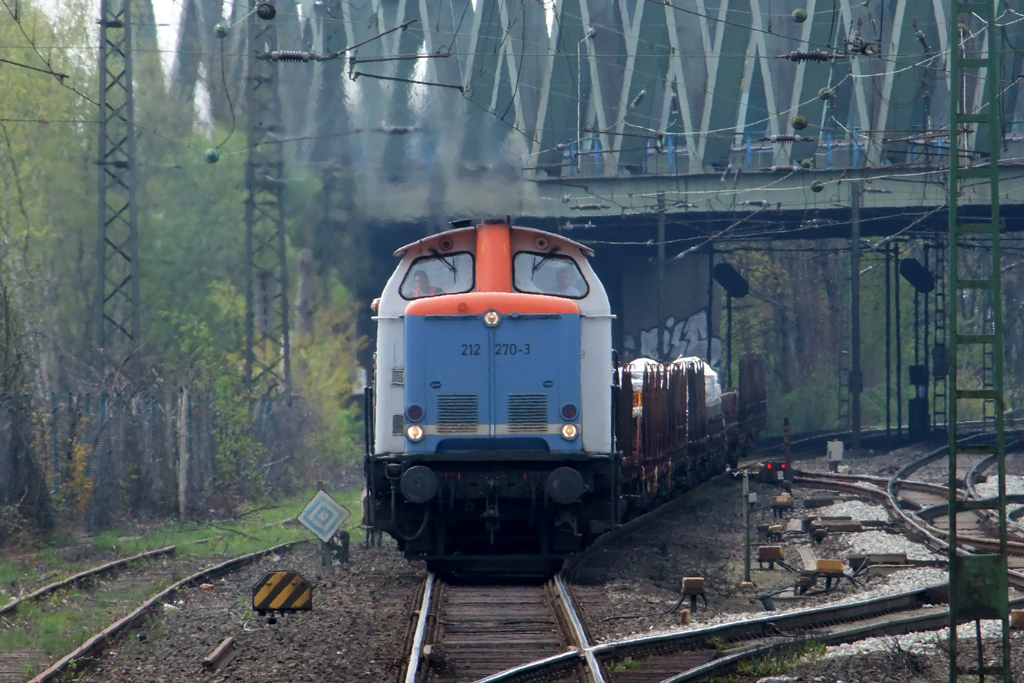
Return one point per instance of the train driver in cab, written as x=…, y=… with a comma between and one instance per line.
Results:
x=563, y=284
x=423, y=287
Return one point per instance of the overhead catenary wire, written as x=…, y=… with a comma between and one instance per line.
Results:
x=521, y=83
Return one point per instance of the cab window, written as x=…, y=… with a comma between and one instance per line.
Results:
x=436, y=275
x=551, y=274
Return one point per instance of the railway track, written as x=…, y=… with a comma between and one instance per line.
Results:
x=81, y=657
x=698, y=653
x=83, y=577
x=921, y=509
x=470, y=632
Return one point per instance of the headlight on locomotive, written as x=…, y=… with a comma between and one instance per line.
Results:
x=569, y=432
x=414, y=432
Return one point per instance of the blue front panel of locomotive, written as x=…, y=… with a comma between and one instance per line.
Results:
x=500, y=388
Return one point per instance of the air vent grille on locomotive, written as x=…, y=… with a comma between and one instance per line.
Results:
x=457, y=413
x=528, y=413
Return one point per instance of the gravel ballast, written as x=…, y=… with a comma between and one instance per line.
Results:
x=354, y=633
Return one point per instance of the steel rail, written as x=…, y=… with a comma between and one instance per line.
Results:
x=932, y=620
x=81, y=576
x=806, y=620
x=82, y=655
x=915, y=526
x=416, y=654
x=594, y=669
x=110, y=566
x=970, y=481
x=874, y=433
x=862, y=484
x=477, y=610
x=908, y=484
x=932, y=536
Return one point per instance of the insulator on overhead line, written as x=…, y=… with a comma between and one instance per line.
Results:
x=783, y=168
x=754, y=202
x=591, y=32
x=807, y=56
x=286, y=56
x=786, y=138
x=636, y=100
x=858, y=45
x=924, y=42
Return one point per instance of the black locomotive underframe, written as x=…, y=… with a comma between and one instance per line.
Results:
x=492, y=504
x=492, y=507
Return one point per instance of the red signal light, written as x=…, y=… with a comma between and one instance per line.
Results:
x=783, y=465
x=769, y=465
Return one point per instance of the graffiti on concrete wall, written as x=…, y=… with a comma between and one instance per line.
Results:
x=681, y=338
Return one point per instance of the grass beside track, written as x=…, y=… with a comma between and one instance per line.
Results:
x=774, y=664
x=255, y=528
x=64, y=620
x=61, y=621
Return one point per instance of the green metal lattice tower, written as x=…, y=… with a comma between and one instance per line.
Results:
x=267, y=338
x=978, y=583
x=117, y=308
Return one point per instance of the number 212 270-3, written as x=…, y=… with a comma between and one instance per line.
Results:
x=499, y=349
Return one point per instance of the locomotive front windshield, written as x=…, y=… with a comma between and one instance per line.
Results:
x=440, y=274
x=551, y=274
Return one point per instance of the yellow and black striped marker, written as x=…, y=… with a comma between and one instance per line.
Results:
x=282, y=592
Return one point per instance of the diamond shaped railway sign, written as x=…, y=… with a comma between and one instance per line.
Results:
x=323, y=516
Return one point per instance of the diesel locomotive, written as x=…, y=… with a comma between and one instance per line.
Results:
x=503, y=438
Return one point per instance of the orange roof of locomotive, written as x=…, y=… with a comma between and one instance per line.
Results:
x=555, y=238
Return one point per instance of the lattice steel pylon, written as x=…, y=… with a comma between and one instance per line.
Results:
x=978, y=583
x=940, y=352
x=843, y=360
x=267, y=352
x=116, y=317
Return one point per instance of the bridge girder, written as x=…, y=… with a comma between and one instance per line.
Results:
x=553, y=95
